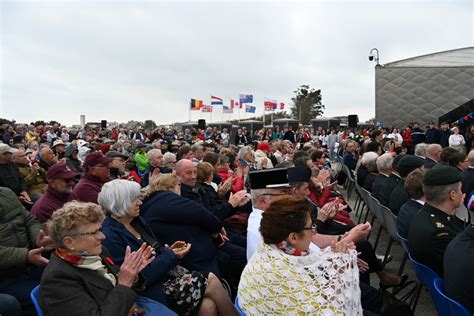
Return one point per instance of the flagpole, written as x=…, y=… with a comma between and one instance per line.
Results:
x=189, y=110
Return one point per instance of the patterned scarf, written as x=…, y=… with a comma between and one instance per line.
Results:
x=87, y=262
x=290, y=250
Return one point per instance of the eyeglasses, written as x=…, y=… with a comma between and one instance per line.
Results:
x=313, y=228
x=94, y=233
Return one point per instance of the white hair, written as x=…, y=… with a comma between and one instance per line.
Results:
x=243, y=151
x=116, y=196
x=168, y=157
x=152, y=152
x=384, y=162
x=369, y=157
x=420, y=149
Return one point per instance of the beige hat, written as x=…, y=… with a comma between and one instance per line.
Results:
x=4, y=148
x=58, y=142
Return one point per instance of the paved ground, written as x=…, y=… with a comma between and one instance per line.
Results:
x=425, y=305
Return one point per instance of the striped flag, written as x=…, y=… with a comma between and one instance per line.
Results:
x=207, y=108
x=216, y=100
x=227, y=109
x=195, y=104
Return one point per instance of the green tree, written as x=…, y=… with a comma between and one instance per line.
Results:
x=306, y=104
x=149, y=124
x=7, y=121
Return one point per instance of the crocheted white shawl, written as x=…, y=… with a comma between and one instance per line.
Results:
x=321, y=283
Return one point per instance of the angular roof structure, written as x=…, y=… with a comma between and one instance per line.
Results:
x=462, y=57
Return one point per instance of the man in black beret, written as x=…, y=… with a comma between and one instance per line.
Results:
x=435, y=225
x=399, y=196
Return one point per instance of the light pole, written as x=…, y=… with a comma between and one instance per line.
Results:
x=376, y=55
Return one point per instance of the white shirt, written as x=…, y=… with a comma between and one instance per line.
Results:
x=254, y=238
x=456, y=140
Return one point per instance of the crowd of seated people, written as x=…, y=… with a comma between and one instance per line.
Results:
x=178, y=221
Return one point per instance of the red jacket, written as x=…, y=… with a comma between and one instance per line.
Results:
x=49, y=202
x=238, y=183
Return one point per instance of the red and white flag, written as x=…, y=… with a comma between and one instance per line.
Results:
x=282, y=106
x=270, y=104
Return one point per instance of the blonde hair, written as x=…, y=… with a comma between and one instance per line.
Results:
x=68, y=220
x=204, y=171
x=165, y=182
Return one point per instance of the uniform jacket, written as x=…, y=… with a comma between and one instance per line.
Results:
x=49, y=202
x=430, y=232
x=18, y=232
x=72, y=291
x=173, y=217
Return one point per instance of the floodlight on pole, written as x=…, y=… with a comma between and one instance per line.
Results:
x=374, y=54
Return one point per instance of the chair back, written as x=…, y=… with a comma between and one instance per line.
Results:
x=426, y=276
x=34, y=298
x=237, y=306
x=390, y=222
x=404, y=243
x=378, y=211
x=448, y=306
x=373, y=205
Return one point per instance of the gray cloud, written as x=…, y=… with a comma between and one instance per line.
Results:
x=141, y=60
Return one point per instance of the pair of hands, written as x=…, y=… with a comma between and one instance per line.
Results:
x=25, y=198
x=180, y=248
x=329, y=210
x=240, y=198
x=133, y=263
x=344, y=247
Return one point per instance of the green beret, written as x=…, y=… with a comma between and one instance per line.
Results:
x=410, y=161
x=445, y=175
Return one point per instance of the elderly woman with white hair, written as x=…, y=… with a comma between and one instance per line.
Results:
x=169, y=161
x=185, y=292
x=369, y=158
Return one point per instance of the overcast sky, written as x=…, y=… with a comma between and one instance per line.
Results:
x=124, y=60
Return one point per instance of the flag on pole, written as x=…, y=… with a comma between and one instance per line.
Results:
x=207, y=108
x=235, y=104
x=216, y=100
x=250, y=109
x=246, y=98
x=226, y=109
x=282, y=106
x=195, y=104
x=270, y=104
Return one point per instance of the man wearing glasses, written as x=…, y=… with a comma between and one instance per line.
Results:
x=97, y=173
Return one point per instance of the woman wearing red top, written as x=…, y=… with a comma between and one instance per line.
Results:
x=225, y=172
x=407, y=141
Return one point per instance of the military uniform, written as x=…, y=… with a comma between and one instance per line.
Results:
x=430, y=232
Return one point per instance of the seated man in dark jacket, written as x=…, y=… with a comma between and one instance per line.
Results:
x=414, y=189
x=21, y=244
x=10, y=176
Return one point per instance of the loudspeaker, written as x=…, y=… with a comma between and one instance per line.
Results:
x=202, y=124
x=103, y=124
x=353, y=120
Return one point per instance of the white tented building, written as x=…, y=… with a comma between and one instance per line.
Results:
x=423, y=88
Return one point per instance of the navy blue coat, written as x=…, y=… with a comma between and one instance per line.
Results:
x=405, y=216
x=173, y=217
x=118, y=238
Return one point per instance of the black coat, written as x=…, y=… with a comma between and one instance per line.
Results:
x=173, y=217
x=458, y=271
x=429, y=163
x=387, y=188
x=377, y=185
x=206, y=196
x=432, y=136
x=398, y=197
x=68, y=290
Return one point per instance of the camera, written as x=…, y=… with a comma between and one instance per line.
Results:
x=371, y=57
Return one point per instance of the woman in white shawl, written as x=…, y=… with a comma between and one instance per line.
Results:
x=284, y=277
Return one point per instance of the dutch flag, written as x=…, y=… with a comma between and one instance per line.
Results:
x=216, y=100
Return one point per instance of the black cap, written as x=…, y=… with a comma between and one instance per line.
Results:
x=114, y=153
x=396, y=160
x=444, y=175
x=299, y=174
x=408, y=163
x=268, y=178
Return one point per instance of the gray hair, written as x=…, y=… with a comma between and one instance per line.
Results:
x=256, y=193
x=116, y=196
x=168, y=157
x=197, y=147
x=152, y=152
x=44, y=151
x=384, y=163
x=439, y=193
x=420, y=149
x=243, y=151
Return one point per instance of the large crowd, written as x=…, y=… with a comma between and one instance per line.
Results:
x=181, y=221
